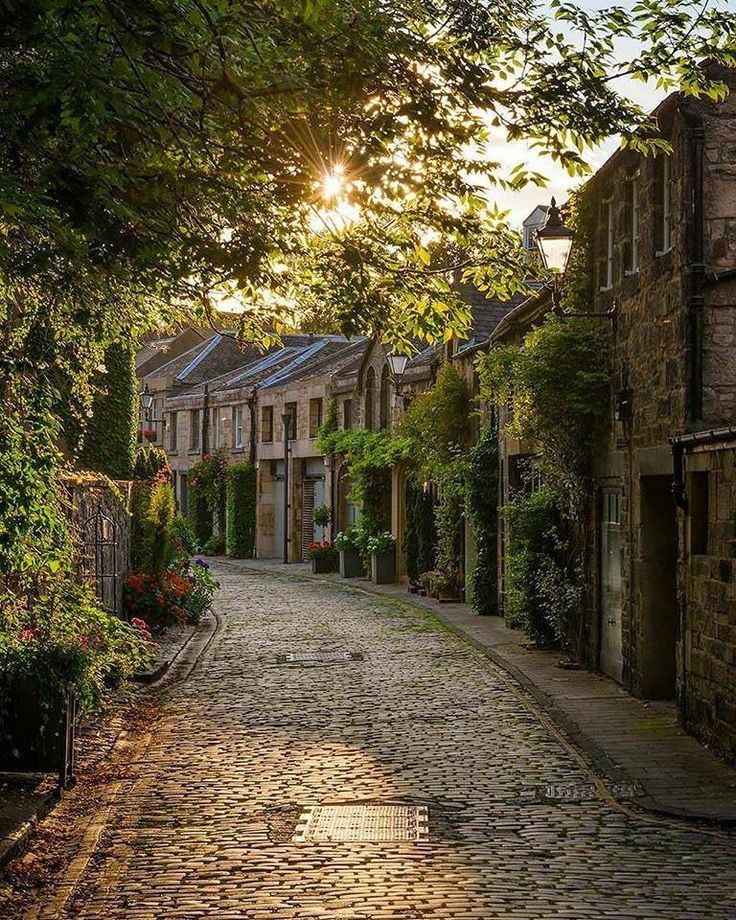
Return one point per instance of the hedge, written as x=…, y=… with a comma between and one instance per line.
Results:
x=240, y=491
x=200, y=512
x=110, y=436
x=483, y=510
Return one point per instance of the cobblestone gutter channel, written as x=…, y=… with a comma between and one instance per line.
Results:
x=203, y=825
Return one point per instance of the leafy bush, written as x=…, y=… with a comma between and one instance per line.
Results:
x=482, y=501
x=184, y=535
x=158, y=599
x=153, y=510
x=241, y=510
x=149, y=462
x=199, y=600
x=207, y=499
x=66, y=642
x=449, y=517
x=215, y=546
x=544, y=585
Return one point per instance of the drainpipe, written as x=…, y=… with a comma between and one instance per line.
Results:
x=694, y=330
x=206, y=419
x=285, y=422
x=252, y=405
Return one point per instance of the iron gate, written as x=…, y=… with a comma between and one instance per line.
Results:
x=99, y=558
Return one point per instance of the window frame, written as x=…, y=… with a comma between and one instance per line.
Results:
x=238, y=427
x=267, y=411
x=195, y=431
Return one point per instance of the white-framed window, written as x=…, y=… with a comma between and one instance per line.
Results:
x=606, y=264
x=195, y=429
x=173, y=423
x=237, y=426
x=634, y=229
x=216, y=423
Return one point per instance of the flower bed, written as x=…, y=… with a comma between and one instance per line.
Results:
x=181, y=594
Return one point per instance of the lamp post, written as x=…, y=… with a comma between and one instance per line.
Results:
x=397, y=365
x=555, y=241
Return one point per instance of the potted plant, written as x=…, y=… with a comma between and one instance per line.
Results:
x=323, y=556
x=351, y=562
x=322, y=516
x=382, y=548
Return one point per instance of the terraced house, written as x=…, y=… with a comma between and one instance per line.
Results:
x=662, y=537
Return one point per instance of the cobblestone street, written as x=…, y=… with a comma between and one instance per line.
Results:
x=205, y=827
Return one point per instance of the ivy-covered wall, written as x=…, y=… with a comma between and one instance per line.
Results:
x=109, y=441
x=240, y=491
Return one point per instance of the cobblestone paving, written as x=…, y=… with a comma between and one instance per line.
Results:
x=422, y=719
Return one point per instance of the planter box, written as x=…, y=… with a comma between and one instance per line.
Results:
x=383, y=568
x=351, y=564
x=324, y=565
x=35, y=738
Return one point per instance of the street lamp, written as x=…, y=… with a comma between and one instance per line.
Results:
x=555, y=240
x=397, y=366
x=146, y=401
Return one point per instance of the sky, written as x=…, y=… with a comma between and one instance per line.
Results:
x=522, y=203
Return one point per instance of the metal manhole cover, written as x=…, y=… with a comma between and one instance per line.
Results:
x=368, y=823
x=584, y=792
x=299, y=657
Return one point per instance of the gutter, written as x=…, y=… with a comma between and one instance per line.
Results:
x=683, y=443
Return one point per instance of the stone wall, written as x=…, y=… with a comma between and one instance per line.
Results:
x=707, y=587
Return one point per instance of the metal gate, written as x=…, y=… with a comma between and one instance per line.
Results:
x=99, y=558
x=307, y=516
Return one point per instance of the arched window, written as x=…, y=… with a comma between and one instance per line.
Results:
x=385, y=404
x=370, y=385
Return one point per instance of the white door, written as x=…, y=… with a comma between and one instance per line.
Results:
x=611, y=645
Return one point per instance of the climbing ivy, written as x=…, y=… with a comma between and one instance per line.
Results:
x=108, y=444
x=557, y=383
x=482, y=503
x=240, y=490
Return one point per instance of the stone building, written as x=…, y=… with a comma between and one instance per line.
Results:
x=663, y=618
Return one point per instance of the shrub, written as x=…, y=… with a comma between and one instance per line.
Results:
x=199, y=601
x=207, y=500
x=215, y=546
x=544, y=585
x=449, y=519
x=200, y=512
x=184, y=535
x=152, y=525
x=66, y=642
x=482, y=500
x=241, y=510
x=149, y=462
x=159, y=599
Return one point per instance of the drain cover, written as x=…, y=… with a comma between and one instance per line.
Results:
x=369, y=823
x=320, y=656
x=587, y=791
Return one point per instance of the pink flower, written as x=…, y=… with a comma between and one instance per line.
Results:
x=27, y=635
